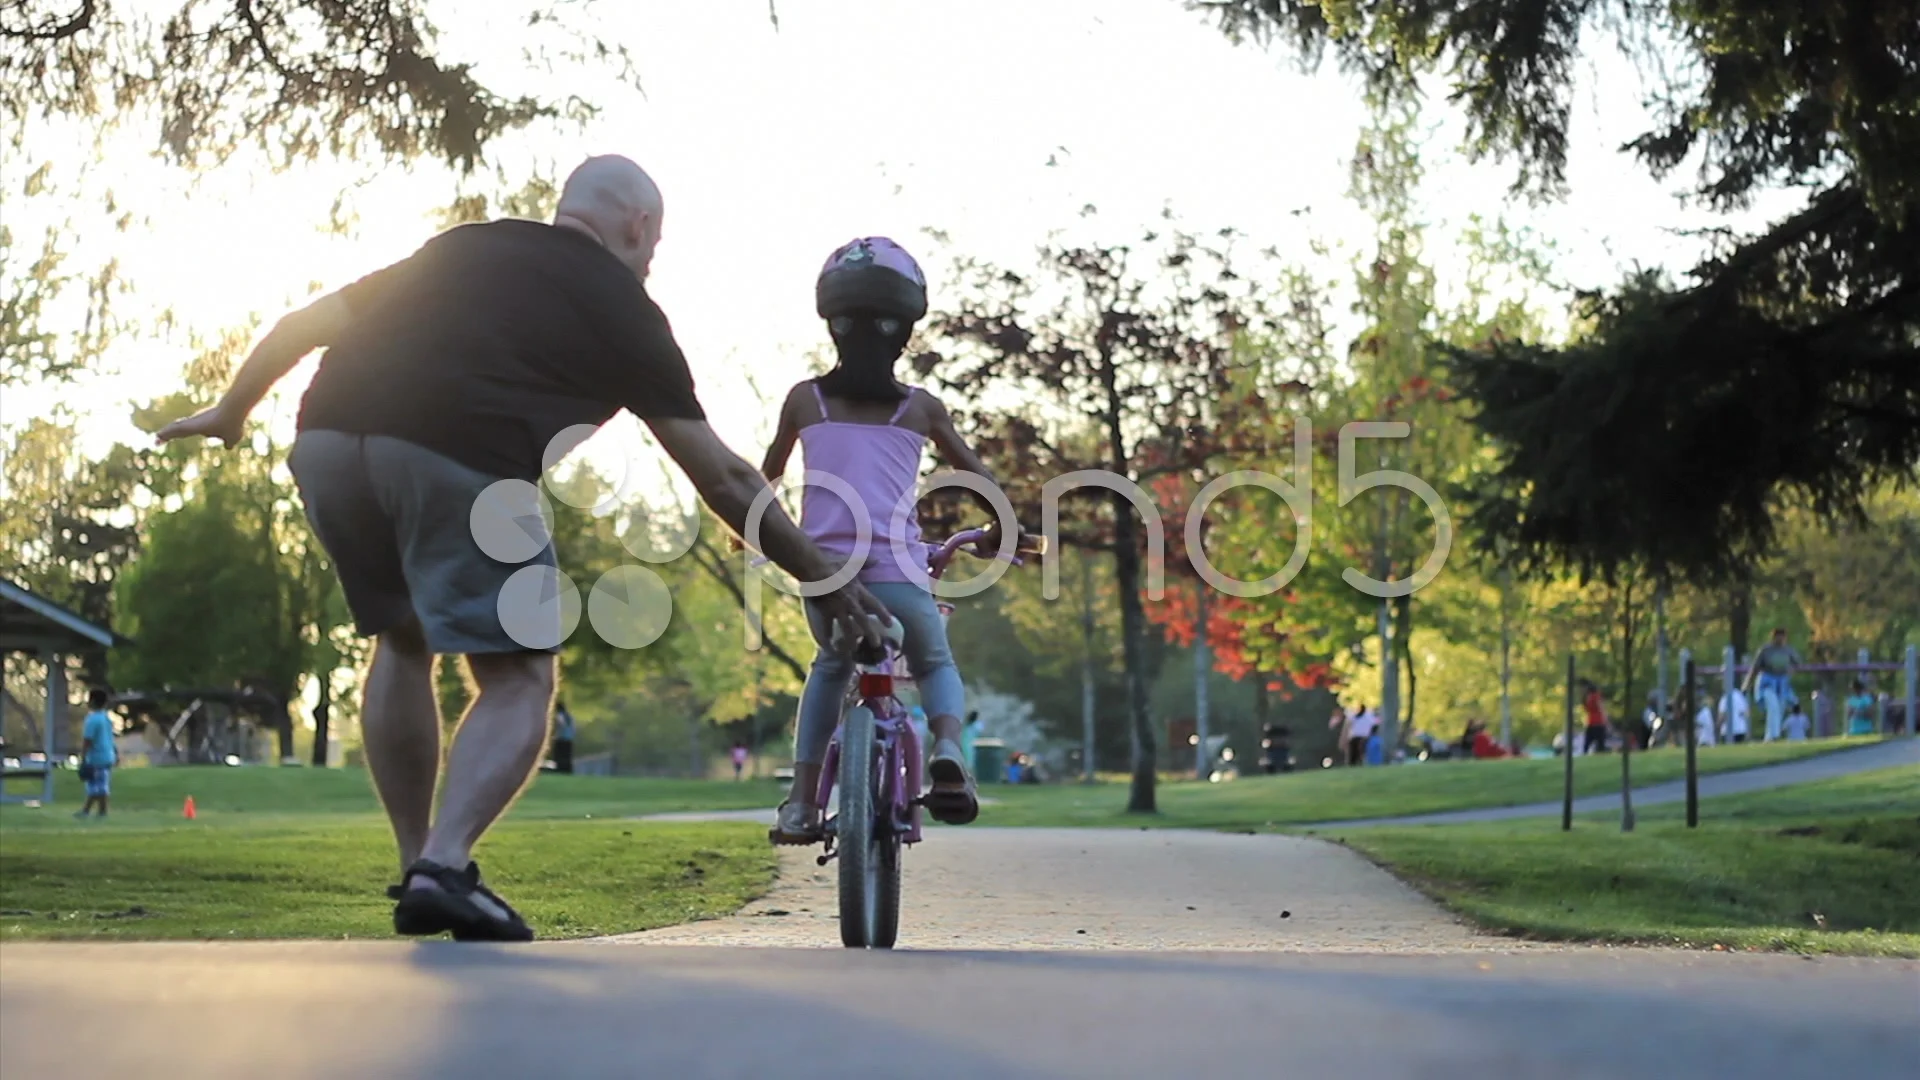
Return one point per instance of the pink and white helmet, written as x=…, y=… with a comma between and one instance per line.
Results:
x=871, y=275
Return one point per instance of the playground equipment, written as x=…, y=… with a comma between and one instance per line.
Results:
x=1894, y=717
x=206, y=727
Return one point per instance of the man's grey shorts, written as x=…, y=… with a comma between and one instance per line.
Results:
x=398, y=521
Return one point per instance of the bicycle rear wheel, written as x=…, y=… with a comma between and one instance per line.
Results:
x=869, y=848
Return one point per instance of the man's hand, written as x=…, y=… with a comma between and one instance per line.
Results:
x=215, y=423
x=857, y=610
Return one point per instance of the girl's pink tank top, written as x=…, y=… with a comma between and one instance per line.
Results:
x=880, y=463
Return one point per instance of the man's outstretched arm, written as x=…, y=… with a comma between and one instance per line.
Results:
x=731, y=486
x=291, y=339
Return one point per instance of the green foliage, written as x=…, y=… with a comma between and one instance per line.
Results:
x=1802, y=339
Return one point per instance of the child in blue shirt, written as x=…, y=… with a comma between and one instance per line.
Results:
x=98, y=755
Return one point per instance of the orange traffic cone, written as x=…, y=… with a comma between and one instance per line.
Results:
x=189, y=809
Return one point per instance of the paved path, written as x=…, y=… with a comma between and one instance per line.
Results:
x=336, y=1011
x=979, y=888
x=1881, y=755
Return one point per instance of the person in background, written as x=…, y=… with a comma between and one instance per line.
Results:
x=1735, y=712
x=1338, y=723
x=1772, y=669
x=1797, y=724
x=98, y=755
x=1860, y=710
x=1596, y=708
x=1376, y=747
x=1704, y=723
x=1359, y=729
x=562, y=738
x=1650, y=720
x=1482, y=745
x=739, y=756
x=969, y=734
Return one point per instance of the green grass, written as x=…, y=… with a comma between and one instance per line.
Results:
x=305, y=853
x=224, y=796
x=1754, y=875
x=323, y=878
x=1262, y=802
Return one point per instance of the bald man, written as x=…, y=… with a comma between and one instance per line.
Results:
x=444, y=374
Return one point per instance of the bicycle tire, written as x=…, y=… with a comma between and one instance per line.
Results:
x=887, y=848
x=861, y=873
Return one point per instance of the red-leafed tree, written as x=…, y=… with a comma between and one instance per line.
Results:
x=1114, y=359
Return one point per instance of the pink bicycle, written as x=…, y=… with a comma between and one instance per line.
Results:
x=880, y=790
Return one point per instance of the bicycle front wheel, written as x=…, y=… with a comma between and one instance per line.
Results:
x=869, y=848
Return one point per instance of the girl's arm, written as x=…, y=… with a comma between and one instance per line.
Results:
x=947, y=440
x=785, y=433
x=955, y=451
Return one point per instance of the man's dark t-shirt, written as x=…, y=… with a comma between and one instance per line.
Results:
x=492, y=339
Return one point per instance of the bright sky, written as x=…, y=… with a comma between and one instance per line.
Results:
x=862, y=117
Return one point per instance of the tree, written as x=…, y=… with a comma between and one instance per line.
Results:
x=69, y=526
x=1141, y=364
x=231, y=590
x=1805, y=337
x=292, y=81
x=1084, y=614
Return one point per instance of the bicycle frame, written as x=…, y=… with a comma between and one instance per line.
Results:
x=900, y=758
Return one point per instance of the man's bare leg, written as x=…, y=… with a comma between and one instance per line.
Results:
x=494, y=753
x=400, y=720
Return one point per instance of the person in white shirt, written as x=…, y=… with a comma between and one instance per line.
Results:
x=1703, y=725
x=1798, y=724
x=1359, y=730
x=1734, y=711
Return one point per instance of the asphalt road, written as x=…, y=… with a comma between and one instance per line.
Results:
x=307, y=1011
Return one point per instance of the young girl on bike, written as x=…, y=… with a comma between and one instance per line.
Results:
x=861, y=425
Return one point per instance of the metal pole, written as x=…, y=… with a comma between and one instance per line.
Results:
x=1201, y=664
x=1566, y=804
x=1692, y=709
x=56, y=718
x=1910, y=724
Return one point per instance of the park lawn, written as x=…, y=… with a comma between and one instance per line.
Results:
x=1265, y=802
x=1754, y=875
x=226, y=796
x=322, y=876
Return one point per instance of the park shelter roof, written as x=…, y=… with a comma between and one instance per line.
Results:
x=30, y=622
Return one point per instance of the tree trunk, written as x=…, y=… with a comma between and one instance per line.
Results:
x=1629, y=710
x=1506, y=659
x=1086, y=668
x=695, y=759
x=1660, y=648
x=1202, y=666
x=1133, y=620
x=1740, y=619
x=1389, y=655
x=1403, y=640
x=322, y=715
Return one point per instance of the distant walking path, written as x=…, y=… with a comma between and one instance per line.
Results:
x=1881, y=755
